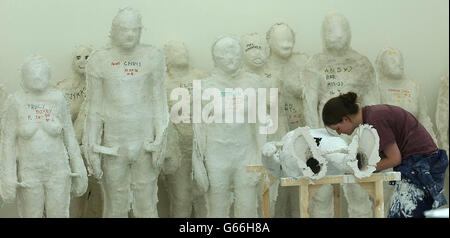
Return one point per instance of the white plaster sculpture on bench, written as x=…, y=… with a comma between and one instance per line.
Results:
x=74, y=87
x=127, y=119
x=41, y=163
x=397, y=89
x=184, y=195
x=338, y=70
x=314, y=153
x=222, y=151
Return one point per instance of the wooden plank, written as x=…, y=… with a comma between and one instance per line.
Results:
x=379, y=200
x=304, y=201
x=266, y=204
x=337, y=200
x=341, y=179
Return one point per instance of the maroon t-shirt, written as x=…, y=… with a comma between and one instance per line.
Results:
x=395, y=124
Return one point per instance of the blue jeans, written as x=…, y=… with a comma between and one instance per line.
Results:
x=421, y=187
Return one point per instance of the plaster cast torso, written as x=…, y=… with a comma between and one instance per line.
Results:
x=75, y=93
x=127, y=87
x=184, y=129
x=234, y=140
x=341, y=74
x=39, y=136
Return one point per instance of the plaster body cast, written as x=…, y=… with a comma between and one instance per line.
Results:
x=125, y=132
x=183, y=193
x=283, y=69
x=74, y=87
x=396, y=89
x=223, y=150
x=442, y=120
x=337, y=70
x=41, y=160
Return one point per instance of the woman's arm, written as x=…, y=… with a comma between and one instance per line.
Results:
x=392, y=159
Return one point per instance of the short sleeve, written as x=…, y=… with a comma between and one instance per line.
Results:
x=385, y=133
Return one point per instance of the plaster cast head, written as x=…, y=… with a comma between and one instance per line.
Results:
x=256, y=50
x=79, y=58
x=35, y=74
x=336, y=33
x=389, y=63
x=227, y=54
x=281, y=39
x=126, y=28
x=176, y=54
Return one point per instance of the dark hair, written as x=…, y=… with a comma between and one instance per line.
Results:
x=338, y=107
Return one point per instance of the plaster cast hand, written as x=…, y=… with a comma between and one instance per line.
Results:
x=155, y=147
x=79, y=177
x=96, y=166
x=270, y=161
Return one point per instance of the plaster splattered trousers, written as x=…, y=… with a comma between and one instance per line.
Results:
x=421, y=187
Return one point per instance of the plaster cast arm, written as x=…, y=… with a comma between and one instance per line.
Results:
x=8, y=161
x=424, y=118
x=392, y=159
x=94, y=126
x=160, y=112
x=79, y=174
x=199, y=172
x=270, y=157
x=311, y=98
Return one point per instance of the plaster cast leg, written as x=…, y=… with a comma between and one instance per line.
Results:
x=245, y=193
x=199, y=203
x=31, y=201
x=218, y=195
x=287, y=205
x=57, y=195
x=180, y=191
x=144, y=187
x=321, y=204
x=359, y=202
x=116, y=182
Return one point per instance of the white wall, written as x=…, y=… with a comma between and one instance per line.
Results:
x=53, y=27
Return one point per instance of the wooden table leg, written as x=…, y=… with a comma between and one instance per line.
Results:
x=379, y=199
x=266, y=204
x=337, y=200
x=304, y=201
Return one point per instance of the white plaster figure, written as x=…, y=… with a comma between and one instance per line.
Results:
x=256, y=53
x=41, y=163
x=442, y=113
x=442, y=122
x=222, y=151
x=283, y=70
x=184, y=195
x=127, y=118
x=397, y=89
x=314, y=153
x=74, y=87
x=337, y=70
